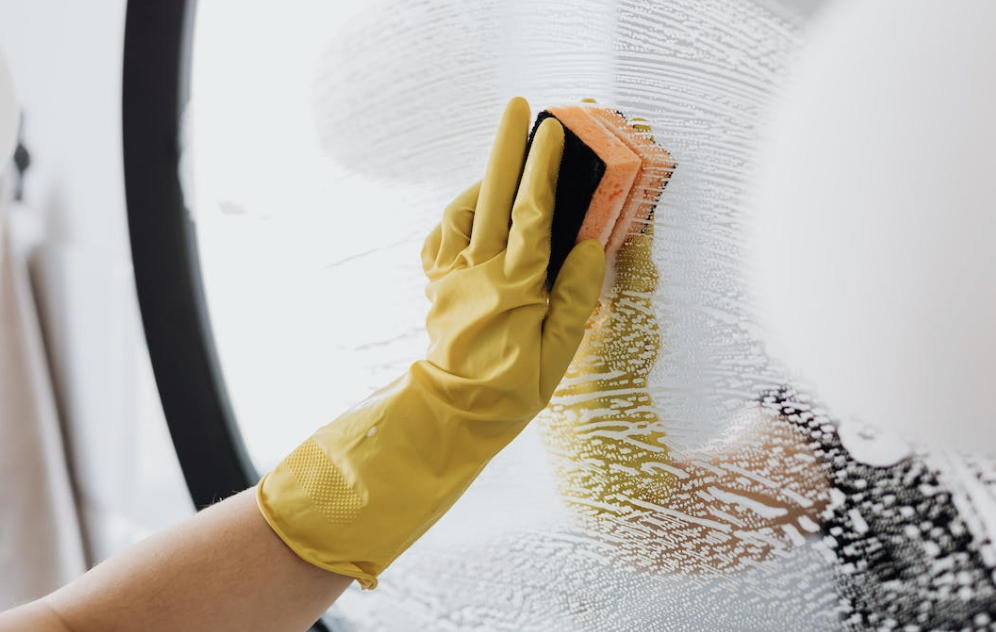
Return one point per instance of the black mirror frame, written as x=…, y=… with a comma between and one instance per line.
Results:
x=164, y=251
x=155, y=91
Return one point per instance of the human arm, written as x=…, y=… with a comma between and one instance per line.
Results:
x=223, y=569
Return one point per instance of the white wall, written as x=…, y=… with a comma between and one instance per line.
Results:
x=66, y=61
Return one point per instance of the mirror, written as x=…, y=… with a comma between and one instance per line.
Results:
x=683, y=484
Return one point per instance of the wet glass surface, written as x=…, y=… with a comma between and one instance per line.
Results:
x=677, y=481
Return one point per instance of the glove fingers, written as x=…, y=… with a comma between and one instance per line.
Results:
x=532, y=213
x=572, y=301
x=490, y=234
x=448, y=240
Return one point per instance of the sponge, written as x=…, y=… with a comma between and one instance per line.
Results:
x=581, y=170
x=611, y=175
x=655, y=170
x=621, y=167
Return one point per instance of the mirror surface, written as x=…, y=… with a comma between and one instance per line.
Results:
x=685, y=486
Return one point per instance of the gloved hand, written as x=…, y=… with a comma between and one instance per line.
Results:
x=362, y=489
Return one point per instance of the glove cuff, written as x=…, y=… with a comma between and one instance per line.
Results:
x=362, y=489
x=305, y=529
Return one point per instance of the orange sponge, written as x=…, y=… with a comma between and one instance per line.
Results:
x=655, y=169
x=621, y=167
x=611, y=176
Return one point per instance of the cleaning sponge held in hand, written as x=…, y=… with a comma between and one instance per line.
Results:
x=611, y=176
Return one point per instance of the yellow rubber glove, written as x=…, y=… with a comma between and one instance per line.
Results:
x=362, y=489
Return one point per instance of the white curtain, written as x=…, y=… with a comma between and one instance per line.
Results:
x=40, y=540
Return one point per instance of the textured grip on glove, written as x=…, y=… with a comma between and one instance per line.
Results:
x=325, y=485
